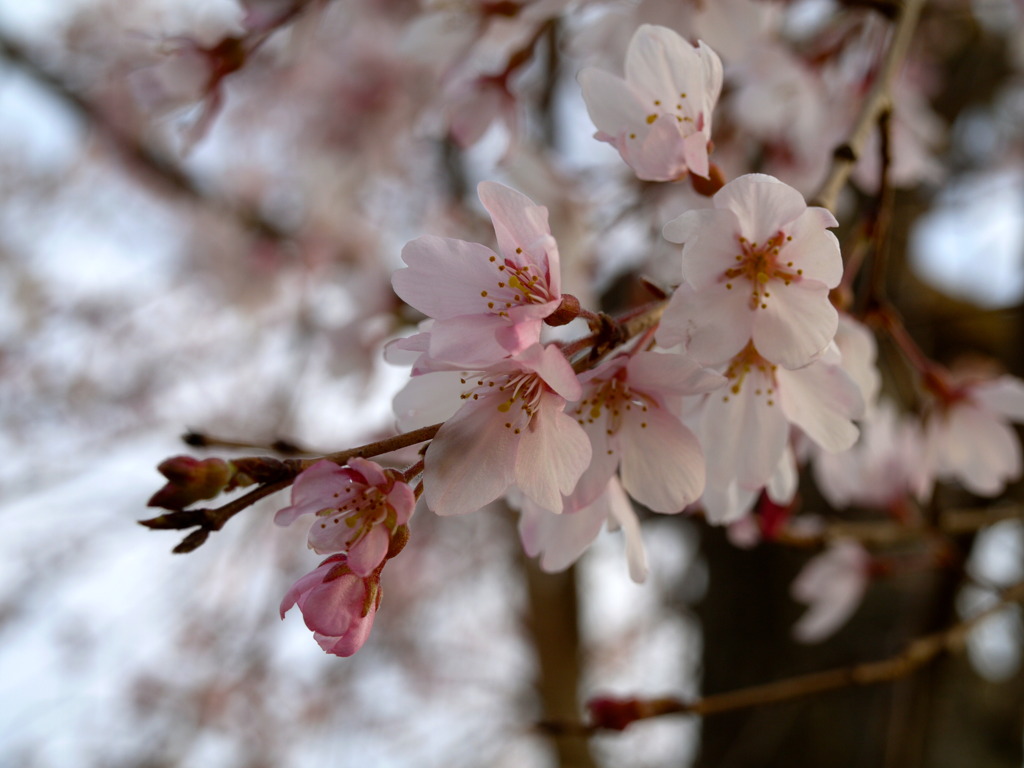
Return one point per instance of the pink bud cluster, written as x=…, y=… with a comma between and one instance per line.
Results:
x=361, y=516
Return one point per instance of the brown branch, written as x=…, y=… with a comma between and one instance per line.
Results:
x=886, y=533
x=617, y=714
x=845, y=156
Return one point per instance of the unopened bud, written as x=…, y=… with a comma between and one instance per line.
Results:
x=566, y=312
x=190, y=480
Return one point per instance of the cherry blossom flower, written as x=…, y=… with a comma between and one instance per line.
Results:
x=882, y=469
x=759, y=266
x=337, y=604
x=510, y=431
x=628, y=412
x=832, y=584
x=969, y=439
x=358, y=509
x=745, y=429
x=485, y=307
x=659, y=116
x=560, y=539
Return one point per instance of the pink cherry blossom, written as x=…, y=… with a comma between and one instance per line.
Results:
x=969, y=439
x=511, y=431
x=628, y=412
x=745, y=429
x=659, y=116
x=485, y=307
x=759, y=266
x=560, y=539
x=358, y=508
x=832, y=584
x=338, y=604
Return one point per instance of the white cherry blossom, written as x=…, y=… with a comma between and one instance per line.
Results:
x=659, y=116
x=969, y=438
x=758, y=267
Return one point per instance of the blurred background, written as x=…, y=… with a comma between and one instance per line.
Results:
x=200, y=207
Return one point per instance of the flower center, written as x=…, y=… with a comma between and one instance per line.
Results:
x=749, y=364
x=516, y=285
x=611, y=399
x=517, y=395
x=760, y=265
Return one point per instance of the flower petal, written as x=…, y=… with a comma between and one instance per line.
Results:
x=552, y=454
x=762, y=204
x=822, y=399
x=662, y=464
x=795, y=323
x=470, y=462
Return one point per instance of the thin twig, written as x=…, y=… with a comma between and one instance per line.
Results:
x=845, y=156
x=617, y=714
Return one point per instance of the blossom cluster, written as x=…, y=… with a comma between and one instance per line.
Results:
x=709, y=400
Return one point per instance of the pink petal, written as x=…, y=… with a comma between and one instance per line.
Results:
x=331, y=607
x=552, y=454
x=662, y=464
x=658, y=155
x=713, y=325
x=710, y=238
x=550, y=364
x=655, y=373
x=603, y=463
x=369, y=552
x=621, y=511
x=519, y=223
x=352, y=640
x=324, y=485
x=470, y=462
x=695, y=154
x=559, y=539
x=445, y=276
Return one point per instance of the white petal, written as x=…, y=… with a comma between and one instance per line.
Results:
x=813, y=248
x=613, y=105
x=795, y=323
x=742, y=435
x=762, y=204
x=1004, y=395
x=821, y=400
